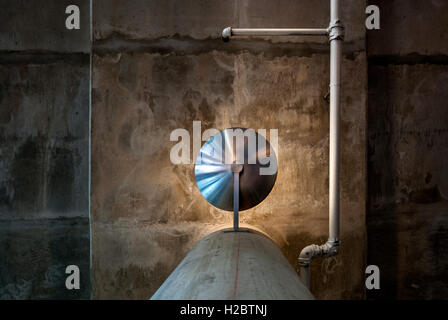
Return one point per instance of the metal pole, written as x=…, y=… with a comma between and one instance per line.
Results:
x=236, y=169
x=236, y=200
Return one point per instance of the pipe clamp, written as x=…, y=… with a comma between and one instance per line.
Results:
x=336, y=31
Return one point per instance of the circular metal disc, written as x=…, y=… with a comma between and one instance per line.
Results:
x=213, y=168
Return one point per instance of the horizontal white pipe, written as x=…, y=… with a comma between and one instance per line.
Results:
x=228, y=32
x=279, y=32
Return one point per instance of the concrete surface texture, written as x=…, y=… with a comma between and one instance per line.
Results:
x=33, y=25
x=229, y=265
x=205, y=19
x=44, y=132
x=153, y=75
x=409, y=28
x=407, y=141
x=160, y=65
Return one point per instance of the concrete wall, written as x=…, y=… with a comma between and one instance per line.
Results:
x=44, y=132
x=407, y=216
x=159, y=66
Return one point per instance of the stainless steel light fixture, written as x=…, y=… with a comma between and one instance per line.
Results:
x=236, y=183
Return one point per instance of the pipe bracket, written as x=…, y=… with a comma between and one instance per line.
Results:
x=336, y=31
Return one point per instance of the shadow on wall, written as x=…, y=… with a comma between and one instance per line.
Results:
x=407, y=208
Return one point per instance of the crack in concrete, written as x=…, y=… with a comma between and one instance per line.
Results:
x=409, y=59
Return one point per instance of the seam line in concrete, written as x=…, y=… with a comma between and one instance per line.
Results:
x=43, y=57
x=410, y=59
x=189, y=46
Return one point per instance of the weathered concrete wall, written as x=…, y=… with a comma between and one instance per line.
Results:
x=159, y=66
x=44, y=138
x=409, y=28
x=35, y=25
x=408, y=137
x=205, y=19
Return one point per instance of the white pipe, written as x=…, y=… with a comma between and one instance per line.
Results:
x=336, y=36
x=227, y=33
x=336, y=39
x=331, y=248
x=334, y=10
x=335, y=137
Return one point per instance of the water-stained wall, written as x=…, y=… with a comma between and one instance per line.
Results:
x=161, y=65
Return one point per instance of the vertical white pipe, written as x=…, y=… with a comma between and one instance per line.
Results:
x=305, y=275
x=335, y=130
x=331, y=248
x=334, y=10
x=335, y=136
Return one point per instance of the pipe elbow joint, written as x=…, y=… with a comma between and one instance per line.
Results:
x=308, y=254
x=226, y=34
x=329, y=249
